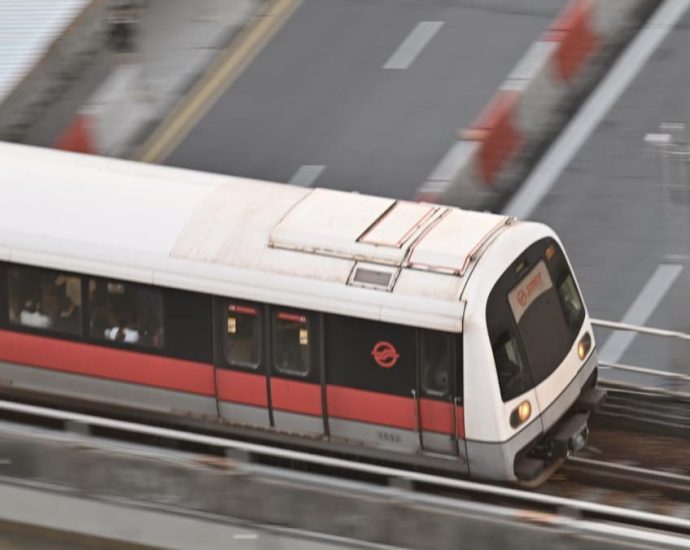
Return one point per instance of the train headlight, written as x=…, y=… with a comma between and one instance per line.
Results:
x=584, y=345
x=521, y=414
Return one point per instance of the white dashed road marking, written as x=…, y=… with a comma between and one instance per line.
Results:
x=415, y=42
x=306, y=175
x=640, y=310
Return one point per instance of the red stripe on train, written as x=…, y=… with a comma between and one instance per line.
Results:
x=104, y=362
x=392, y=410
x=295, y=396
x=371, y=407
x=242, y=387
x=437, y=416
x=247, y=388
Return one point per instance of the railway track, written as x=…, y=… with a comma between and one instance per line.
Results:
x=652, y=410
x=623, y=485
x=634, y=479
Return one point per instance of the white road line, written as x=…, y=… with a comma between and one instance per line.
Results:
x=306, y=175
x=415, y=42
x=544, y=175
x=676, y=258
x=640, y=310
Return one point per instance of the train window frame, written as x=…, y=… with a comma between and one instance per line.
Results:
x=459, y=369
x=549, y=250
x=289, y=314
x=61, y=324
x=506, y=335
x=140, y=344
x=575, y=320
x=243, y=308
x=450, y=363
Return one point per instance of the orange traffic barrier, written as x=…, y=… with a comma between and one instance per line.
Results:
x=78, y=136
x=576, y=37
x=498, y=133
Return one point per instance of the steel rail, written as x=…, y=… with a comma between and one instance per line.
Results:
x=636, y=471
x=623, y=515
x=626, y=477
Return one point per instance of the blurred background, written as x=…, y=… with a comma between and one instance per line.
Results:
x=571, y=113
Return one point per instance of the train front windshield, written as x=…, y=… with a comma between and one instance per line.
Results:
x=534, y=314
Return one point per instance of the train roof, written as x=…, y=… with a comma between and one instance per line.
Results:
x=366, y=256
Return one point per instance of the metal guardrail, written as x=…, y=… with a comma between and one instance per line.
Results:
x=642, y=398
x=549, y=506
x=640, y=329
x=671, y=384
x=675, y=383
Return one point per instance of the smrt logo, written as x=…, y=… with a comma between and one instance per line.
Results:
x=385, y=354
x=530, y=288
x=522, y=297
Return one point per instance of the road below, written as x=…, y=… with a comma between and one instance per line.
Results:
x=364, y=96
x=627, y=228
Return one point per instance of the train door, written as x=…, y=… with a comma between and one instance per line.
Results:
x=439, y=393
x=295, y=380
x=240, y=360
x=371, y=383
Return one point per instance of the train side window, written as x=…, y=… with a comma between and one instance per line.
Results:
x=243, y=336
x=513, y=377
x=436, y=361
x=291, y=343
x=571, y=299
x=126, y=313
x=45, y=299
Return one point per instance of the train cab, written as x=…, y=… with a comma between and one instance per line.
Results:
x=532, y=326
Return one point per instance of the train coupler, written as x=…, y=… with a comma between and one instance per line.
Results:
x=571, y=436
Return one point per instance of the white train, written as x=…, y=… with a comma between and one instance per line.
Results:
x=411, y=332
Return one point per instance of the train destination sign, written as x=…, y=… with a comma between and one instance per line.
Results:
x=529, y=289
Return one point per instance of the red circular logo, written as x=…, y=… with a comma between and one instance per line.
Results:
x=385, y=354
x=522, y=297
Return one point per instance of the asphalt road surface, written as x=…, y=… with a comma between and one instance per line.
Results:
x=625, y=216
x=364, y=96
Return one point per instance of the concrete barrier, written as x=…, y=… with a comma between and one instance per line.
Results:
x=95, y=473
x=113, y=115
x=80, y=135
x=533, y=102
x=576, y=39
x=44, y=84
x=147, y=83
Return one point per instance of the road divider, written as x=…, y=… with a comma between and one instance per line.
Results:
x=58, y=66
x=79, y=136
x=144, y=106
x=250, y=41
x=533, y=103
x=115, y=113
x=576, y=38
